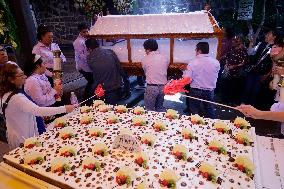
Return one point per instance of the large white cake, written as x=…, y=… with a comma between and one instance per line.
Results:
x=160, y=155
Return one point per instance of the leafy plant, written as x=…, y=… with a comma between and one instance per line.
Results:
x=8, y=28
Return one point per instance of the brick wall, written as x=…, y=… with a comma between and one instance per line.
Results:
x=61, y=16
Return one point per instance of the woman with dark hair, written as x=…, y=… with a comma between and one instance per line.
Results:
x=44, y=48
x=37, y=85
x=18, y=110
x=233, y=75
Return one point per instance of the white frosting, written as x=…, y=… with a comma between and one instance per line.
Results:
x=159, y=156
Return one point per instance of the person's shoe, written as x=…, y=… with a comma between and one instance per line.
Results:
x=276, y=135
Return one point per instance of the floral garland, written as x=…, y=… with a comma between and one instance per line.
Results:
x=8, y=28
x=91, y=7
x=124, y=6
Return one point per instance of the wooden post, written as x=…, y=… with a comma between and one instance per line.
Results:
x=218, y=32
x=172, y=41
x=129, y=51
x=219, y=47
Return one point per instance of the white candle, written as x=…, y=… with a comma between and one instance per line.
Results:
x=57, y=63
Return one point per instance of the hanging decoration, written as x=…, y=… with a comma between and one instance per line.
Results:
x=124, y=6
x=90, y=7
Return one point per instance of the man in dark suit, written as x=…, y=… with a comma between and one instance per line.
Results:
x=260, y=67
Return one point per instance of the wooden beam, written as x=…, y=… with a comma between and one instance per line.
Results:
x=172, y=44
x=129, y=51
x=219, y=47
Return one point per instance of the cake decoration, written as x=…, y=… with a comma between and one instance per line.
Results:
x=59, y=123
x=196, y=119
x=96, y=132
x=159, y=126
x=103, y=108
x=138, y=110
x=121, y=109
x=124, y=175
x=244, y=164
x=85, y=109
x=138, y=121
x=171, y=114
x=32, y=142
x=66, y=133
x=180, y=152
x=148, y=139
x=188, y=134
x=222, y=127
x=168, y=178
x=67, y=151
x=216, y=146
x=141, y=159
x=86, y=119
x=112, y=118
x=241, y=123
x=244, y=138
x=34, y=158
x=100, y=149
x=60, y=165
x=97, y=103
x=91, y=163
x=208, y=172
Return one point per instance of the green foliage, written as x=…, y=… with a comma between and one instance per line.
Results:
x=8, y=28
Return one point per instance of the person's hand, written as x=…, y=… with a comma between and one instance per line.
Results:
x=250, y=111
x=69, y=108
x=58, y=90
x=278, y=70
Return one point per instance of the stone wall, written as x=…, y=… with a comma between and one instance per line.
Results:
x=61, y=16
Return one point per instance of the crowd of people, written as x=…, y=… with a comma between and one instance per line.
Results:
x=243, y=75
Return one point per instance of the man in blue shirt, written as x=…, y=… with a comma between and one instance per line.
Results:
x=203, y=70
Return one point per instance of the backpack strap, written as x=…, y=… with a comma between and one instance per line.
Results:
x=5, y=104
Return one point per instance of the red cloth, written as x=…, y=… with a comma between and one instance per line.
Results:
x=99, y=92
x=176, y=86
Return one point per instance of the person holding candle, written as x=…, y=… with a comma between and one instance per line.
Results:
x=37, y=85
x=18, y=110
x=276, y=113
x=45, y=48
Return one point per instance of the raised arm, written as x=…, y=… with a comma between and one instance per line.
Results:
x=25, y=105
x=250, y=111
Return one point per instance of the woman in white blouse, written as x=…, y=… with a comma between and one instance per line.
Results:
x=44, y=48
x=37, y=85
x=20, y=111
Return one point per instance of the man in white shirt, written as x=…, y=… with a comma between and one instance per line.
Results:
x=155, y=67
x=204, y=73
x=81, y=58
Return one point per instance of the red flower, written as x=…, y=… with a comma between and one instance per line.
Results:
x=176, y=86
x=99, y=92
